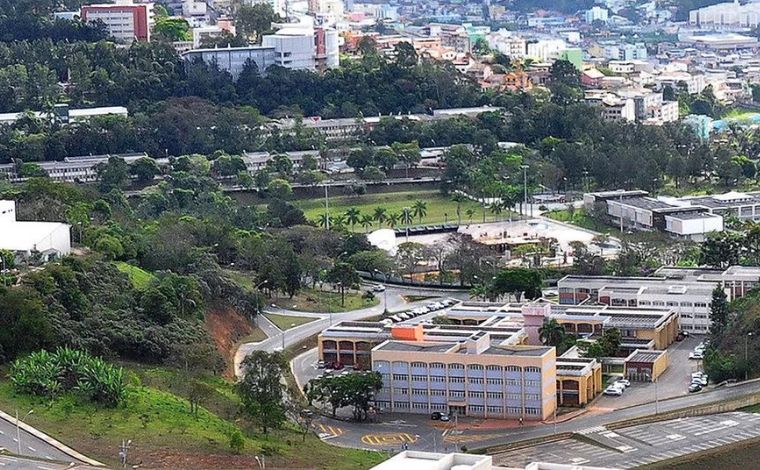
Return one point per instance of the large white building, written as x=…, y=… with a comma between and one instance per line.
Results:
x=296, y=47
x=595, y=13
x=49, y=239
x=729, y=14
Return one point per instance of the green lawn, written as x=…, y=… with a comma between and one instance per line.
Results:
x=439, y=208
x=579, y=218
x=286, y=322
x=315, y=300
x=139, y=277
x=256, y=336
x=165, y=434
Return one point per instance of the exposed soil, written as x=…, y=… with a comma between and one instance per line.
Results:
x=227, y=326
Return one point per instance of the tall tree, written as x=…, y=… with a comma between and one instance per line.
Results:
x=261, y=390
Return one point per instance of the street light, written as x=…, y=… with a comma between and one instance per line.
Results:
x=385, y=291
x=18, y=428
x=525, y=188
x=746, y=355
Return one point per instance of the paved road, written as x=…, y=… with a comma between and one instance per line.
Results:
x=30, y=445
x=299, y=333
x=17, y=463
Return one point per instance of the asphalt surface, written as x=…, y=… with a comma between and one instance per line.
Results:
x=8, y=462
x=30, y=445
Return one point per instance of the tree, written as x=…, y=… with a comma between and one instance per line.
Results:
x=345, y=276
x=113, y=175
x=518, y=282
x=261, y=389
x=551, y=332
x=144, y=169
x=380, y=215
x=280, y=189
x=353, y=216
x=371, y=261
x=252, y=21
x=719, y=311
x=356, y=390
x=406, y=55
x=419, y=209
x=172, y=29
x=373, y=173
x=366, y=222
x=409, y=256
x=409, y=154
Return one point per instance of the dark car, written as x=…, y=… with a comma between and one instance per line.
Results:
x=694, y=388
x=436, y=415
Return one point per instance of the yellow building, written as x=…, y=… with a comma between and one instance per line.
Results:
x=579, y=380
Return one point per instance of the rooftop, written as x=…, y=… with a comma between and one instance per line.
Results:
x=412, y=460
x=644, y=356
x=405, y=346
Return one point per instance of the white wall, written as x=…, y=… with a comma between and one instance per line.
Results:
x=7, y=210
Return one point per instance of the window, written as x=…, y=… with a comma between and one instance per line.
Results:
x=475, y=367
x=514, y=410
x=532, y=396
x=475, y=380
x=531, y=411
x=419, y=391
x=476, y=394
x=534, y=370
x=456, y=366
x=436, y=365
x=419, y=378
x=418, y=364
x=456, y=394
x=437, y=393
x=658, y=303
x=495, y=409
x=700, y=304
x=672, y=304
x=437, y=378
x=513, y=396
x=495, y=395
x=420, y=406
x=477, y=408
x=513, y=382
x=494, y=381
x=402, y=404
x=400, y=377
x=687, y=304
x=513, y=369
x=401, y=391
x=494, y=368
x=532, y=383
x=456, y=380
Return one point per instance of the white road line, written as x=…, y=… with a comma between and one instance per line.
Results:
x=31, y=448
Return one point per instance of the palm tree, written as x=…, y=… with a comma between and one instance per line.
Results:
x=406, y=219
x=470, y=213
x=393, y=219
x=366, y=222
x=496, y=209
x=458, y=198
x=325, y=220
x=380, y=215
x=338, y=221
x=419, y=209
x=551, y=332
x=479, y=291
x=353, y=216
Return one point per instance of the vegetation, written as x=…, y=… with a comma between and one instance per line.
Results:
x=317, y=300
x=355, y=390
x=286, y=322
x=261, y=391
x=139, y=278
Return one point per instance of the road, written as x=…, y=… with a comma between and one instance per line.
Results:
x=8, y=462
x=31, y=445
x=295, y=335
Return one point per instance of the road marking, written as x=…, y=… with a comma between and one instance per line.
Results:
x=462, y=438
x=329, y=432
x=389, y=439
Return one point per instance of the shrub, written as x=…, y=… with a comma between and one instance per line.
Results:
x=69, y=370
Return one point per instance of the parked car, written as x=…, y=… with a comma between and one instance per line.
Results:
x=436, y=415
x=338, y=366
x=395, y=318
x=445, y=418
x=613, y=391
x=438, y=305
x=700, y=378
x=424, y=310
x=378, y=288
x=320, y=364
x=447, y=303
x=696, y=355
x=386, y=321
x=625, y=383
x=694, y=388
x=405, y=315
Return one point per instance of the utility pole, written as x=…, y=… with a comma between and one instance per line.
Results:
x=746, y=355
x=621, y=213
x=2, y=271
x=124, y=452
x=18, y=429
x=327, y=208
x=525, y=188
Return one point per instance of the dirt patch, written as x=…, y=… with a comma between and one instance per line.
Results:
x=227, y=326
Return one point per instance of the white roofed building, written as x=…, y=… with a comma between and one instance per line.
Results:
x=50, y=239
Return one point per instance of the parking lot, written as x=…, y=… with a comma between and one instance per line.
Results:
x=640, y=445
x=672, y=383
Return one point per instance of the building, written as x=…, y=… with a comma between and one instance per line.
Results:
x=724, y=15
x=46, y=240
x=596, y=13
x=292, y=47
x=125, y=20
x=64, y=115
x=611, y=107
x=686, y=291
x=645, y=366
x=545, y=50
x=72, y=169
x=470, y=378
x=636, y=51
x=412, y=460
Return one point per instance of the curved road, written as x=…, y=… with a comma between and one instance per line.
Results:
x=299, y=333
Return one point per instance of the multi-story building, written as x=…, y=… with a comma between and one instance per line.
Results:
x=694, y=83
x=686, y=291
x=729, y=14
x=292, y=47
x=611, y=107
x=125, y=20
x=72, y=169
x=596, y=13
x=626, y=52
x=472, y=378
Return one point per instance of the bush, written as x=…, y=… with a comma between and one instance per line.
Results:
x=69, y=370
x=237, y=443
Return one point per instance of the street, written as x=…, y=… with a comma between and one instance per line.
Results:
x=31, y=445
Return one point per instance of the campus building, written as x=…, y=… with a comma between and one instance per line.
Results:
x=685, y=291
x=473, y=378
x=125, y=20
x=72, y=169
x=45, y=240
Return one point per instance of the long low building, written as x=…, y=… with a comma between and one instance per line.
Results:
x=686, y=291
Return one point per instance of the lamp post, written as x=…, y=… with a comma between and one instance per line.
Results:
x=385, y=290
x=656, y=396
x=18, y=428
x=746, y=355
x=525, y=188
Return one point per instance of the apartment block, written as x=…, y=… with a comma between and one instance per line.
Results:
x=125, y=20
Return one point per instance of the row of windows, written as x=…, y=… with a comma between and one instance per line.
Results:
x=660, y=303
x=461, y=394
x=493, y=368
x=473, y=408
x=461, y=380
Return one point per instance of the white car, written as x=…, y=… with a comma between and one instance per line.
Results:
x=395, y=318
x=613, y=391
x=424, y=310
x=699, y=377
x=379, y=288
x=623, y=383
x=696, y=355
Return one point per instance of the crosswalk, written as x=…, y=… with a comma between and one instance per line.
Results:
x=593, y=430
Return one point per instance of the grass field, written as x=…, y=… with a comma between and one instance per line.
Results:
x=140, y=278
x=286, y=322
x=439, y=207
x=315, y=300
x=256, y=336
x=165, y=434
x=580, y=219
